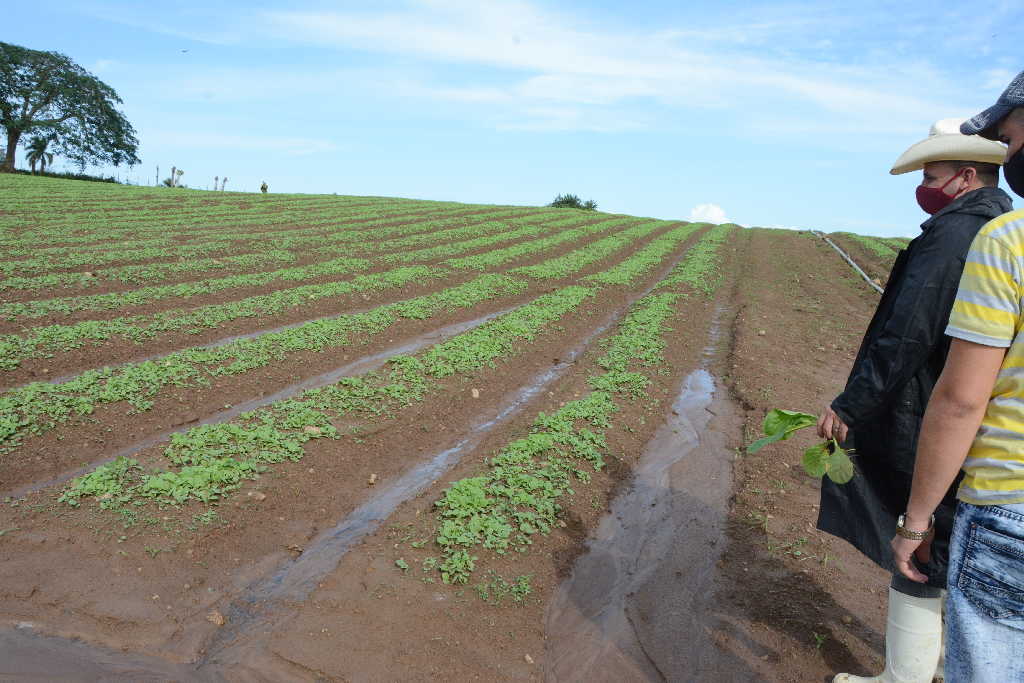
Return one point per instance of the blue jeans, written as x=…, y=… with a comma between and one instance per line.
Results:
x=985, y=609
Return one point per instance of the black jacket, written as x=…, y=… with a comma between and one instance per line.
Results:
x=900, y=359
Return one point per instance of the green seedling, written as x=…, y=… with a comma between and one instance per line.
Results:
x=827, y=458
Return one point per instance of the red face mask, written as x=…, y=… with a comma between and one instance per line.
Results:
x=935, y=199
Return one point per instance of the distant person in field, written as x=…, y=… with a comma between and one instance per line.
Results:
x=263, y=187
x=974, y=427
x=879, y=412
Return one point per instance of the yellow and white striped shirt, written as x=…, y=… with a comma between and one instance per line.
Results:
x=989, y=310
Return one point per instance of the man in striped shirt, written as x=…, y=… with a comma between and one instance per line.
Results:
x=975, y=421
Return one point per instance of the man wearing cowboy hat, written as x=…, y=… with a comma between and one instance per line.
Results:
x=975, y=424
x=898, y=363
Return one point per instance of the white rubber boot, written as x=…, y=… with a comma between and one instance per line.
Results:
x=913, y=639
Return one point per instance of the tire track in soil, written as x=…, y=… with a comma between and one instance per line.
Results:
x=454, y=414
x=109, y=430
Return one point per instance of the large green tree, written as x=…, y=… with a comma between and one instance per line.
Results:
x=48, y=95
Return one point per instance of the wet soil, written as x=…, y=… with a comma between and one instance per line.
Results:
x=112, y=429
x=648, y=574
x=152, y=590
x=768, y=598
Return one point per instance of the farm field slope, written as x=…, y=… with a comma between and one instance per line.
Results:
x=326, y=437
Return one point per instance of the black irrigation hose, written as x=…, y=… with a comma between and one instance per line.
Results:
x=853, y=264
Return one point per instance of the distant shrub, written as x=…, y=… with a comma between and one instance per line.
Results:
x=68, y=176
x=571, y=201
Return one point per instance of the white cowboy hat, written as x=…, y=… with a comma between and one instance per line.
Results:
x=946, y=143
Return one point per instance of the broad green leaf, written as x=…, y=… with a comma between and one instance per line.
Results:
x=779, y=425
x=840, y=467
x=816, y=460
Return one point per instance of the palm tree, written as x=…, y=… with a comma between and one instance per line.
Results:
x=37, y=154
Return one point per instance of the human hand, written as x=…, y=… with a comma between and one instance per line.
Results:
x=831, y=426
x=905, y=548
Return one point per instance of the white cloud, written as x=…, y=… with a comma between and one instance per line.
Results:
x=708, y=213
x=778, y=71
x=555, y=59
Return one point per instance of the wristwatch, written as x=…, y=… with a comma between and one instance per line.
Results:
x=902, y=530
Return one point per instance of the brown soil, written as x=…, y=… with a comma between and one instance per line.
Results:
x=111, y=427
x=162, y=587
x=801, y=604
x=218, y=562
x=116, y=350
x=239, y=293
x=242, y=247
x=877, y=267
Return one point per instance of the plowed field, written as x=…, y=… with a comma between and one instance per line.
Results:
x=293, y=437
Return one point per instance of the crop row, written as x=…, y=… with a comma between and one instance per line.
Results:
x=646, y=258
x=874, y=244
x=593, y=252
x=498, y=257
x=477, y=235
x=147, y=272
x=51, y=339
x=700, y=269
x=520, y=491
x=158, y=234
x=40, y=406
x=117, y=300
x=350, y=241
x=144, y=295
x=209, y=461
x=176, y=224
x=214, y=209
x=308, y=236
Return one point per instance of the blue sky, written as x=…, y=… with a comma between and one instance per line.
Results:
x=771, y=114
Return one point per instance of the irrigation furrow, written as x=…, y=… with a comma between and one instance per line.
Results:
x=259, y=606
x=357, y=367
x=158, y=365
x=39, y=407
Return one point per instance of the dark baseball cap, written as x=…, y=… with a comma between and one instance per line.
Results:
x=984, y=124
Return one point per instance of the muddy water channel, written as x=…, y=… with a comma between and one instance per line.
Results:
x=637, y=604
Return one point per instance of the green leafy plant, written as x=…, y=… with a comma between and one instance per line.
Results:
x=827, y=458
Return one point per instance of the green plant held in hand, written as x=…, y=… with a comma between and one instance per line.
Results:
x=826, y=458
